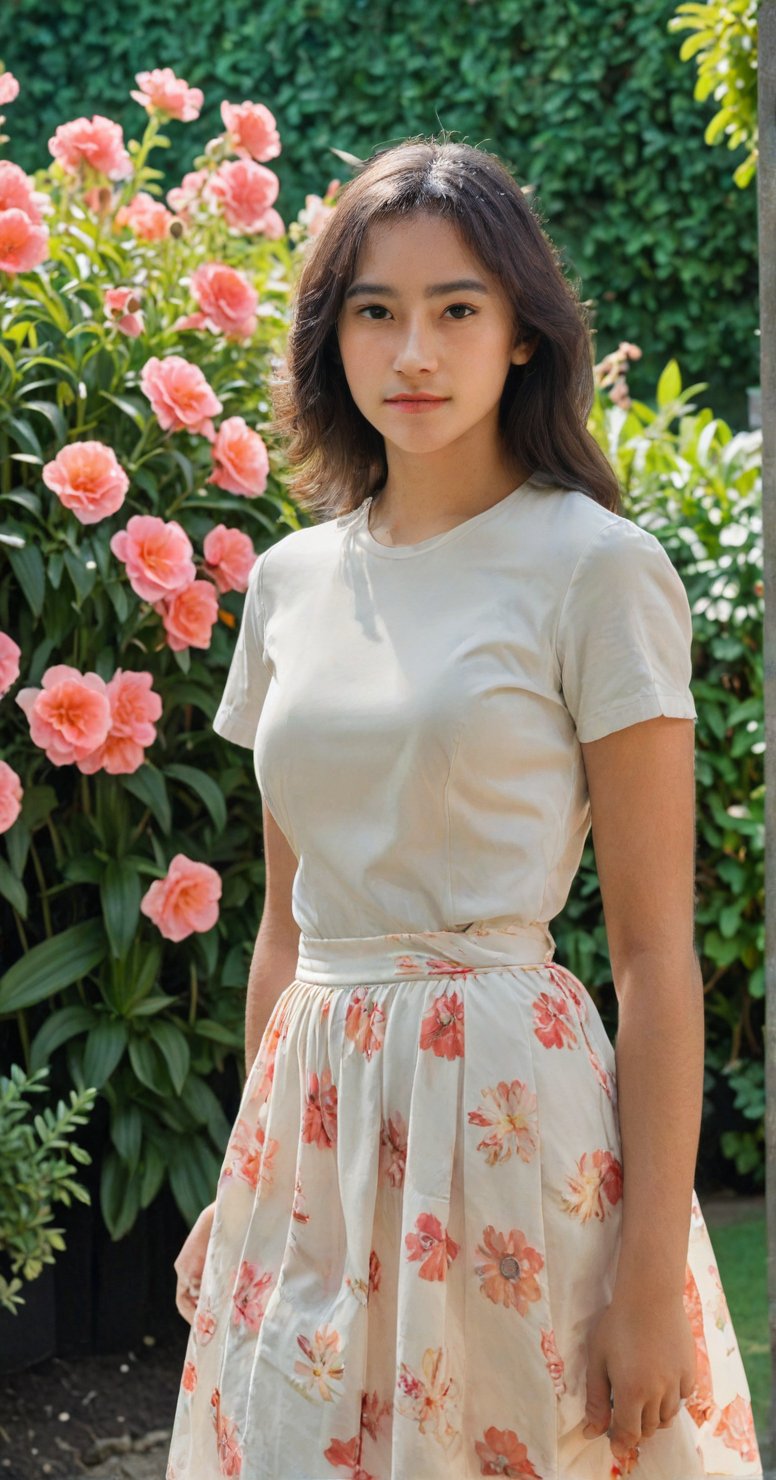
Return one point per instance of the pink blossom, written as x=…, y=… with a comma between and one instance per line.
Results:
x=180, y=395
x=157, y=556
x=240, y=460
x=161, y=91
x=147, y=218
x=17, y=192
x=180, y=197
x=135, y=706
x=97, y=142
x=190, y=616
x=23, y=245
x=11, y=792
x=229, y=558
x=315, y=214
x=9, y=88
x=122, y=307
x=186, y=900
x=10, y=653
x=227, y=302
x=251, y=130
x=87, y=479
x=245, y=191
x=274, y=226
x=69, y=715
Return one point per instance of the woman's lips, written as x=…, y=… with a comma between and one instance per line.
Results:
x=415, y=406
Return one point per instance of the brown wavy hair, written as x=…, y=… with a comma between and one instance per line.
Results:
x=336, y=457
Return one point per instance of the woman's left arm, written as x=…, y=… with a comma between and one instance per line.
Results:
x=642, y=797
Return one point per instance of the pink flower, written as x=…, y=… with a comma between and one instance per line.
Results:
x=245, y=191
x=9, y=88
x=17, y=193
x=251, y=130
x=274, y=226
x=147, y=218
x=185, y=900
x=180, y=395
x=157, y=556
x=190, y=189
x=161, y=91
x=135, y=706
x=69, y=716
x=227, y=302
x=240, y=460
x=11, y=792
x=96, y=142
x=229, y=558
x=23, y=245
x=88, y=479
x=10, y=653
x=190, y=616
x=315, y=214
x=122, y=307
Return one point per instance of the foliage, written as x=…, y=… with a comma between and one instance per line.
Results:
x=586, y=100
x=725, y=45
x=35, y=1172
x=698, y=487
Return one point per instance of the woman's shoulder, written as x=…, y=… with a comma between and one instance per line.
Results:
x=573, y=529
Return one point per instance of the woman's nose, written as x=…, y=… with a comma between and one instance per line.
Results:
x=416, y=350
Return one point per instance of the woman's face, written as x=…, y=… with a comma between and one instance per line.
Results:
x=422, y=315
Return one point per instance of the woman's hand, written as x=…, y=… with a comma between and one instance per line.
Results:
x=640, y=1354
x=190, y=1263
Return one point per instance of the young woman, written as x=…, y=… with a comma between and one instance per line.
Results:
x=455, y=1233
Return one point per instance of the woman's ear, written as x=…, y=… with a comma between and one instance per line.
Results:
x=524, y=349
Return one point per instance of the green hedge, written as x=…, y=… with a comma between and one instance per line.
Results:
x=585, y=99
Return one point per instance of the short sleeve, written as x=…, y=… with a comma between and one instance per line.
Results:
x=248, y=679
x=624, y=634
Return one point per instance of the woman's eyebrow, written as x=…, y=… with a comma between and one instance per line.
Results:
x=435, y=290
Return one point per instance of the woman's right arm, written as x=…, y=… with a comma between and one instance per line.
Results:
x=277, y=944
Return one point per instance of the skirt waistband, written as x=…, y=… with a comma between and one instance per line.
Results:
x=480, y=945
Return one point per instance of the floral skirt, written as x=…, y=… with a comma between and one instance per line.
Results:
x=417, y=1223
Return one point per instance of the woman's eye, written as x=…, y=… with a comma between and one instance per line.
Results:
x=380, y=308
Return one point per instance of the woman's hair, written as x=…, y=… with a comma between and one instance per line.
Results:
x=336, y=456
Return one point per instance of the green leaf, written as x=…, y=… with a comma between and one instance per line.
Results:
x=120, y=894
x=52, y=965
x=28, y=568
x=13, y=889
x=669, y=384
x=203, y=786
x=104, y=1048
x=149, y=786
x=175, y=1049
x=137, y=413
x=147, y=1064
x=57, y=1029
x=126, y=1131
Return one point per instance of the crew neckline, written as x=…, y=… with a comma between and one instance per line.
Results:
x=396, y=552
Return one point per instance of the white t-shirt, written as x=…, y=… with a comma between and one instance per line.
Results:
x=415, y=711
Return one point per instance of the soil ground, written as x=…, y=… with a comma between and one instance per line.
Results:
x=109, y=1416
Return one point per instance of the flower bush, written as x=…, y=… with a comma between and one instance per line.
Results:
x=137, y=487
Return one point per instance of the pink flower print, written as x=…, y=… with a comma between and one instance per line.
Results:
x=346, y=1455
x=509, y=1269
x=251, y=1154
x=433, y=1245
x=625, y=1462
x=552, y=1027
x=319, y=1126
x=596, y=1187
x=442, y=1027
x=297, y=1206
x=358, y=1288
x=406, y=963
x=431, y=1399
x=500, y=1452
x=364, y=1023
x=373, y=1412
x=701, y=1404
x=205, y=1323
x=556, y=1367
x=227, y=1443
x=375, y=1271
x=566, y=982
x=440, y=967
x=721, y=1308
x=736, y=1429
x=189, y=1378
x=393, y=1149
x=323, y=1366
x=510, y=1113
x=248, y=1298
